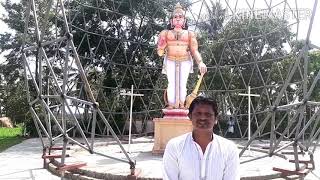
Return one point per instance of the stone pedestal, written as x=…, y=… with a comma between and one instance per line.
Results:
x=167, y=128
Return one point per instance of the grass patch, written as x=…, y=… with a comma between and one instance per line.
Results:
x=10, y=137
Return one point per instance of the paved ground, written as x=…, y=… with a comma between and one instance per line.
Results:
x=141, y=152
x=23, y=162
x=315, y=175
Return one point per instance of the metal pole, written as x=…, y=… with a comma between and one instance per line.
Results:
x=131, y=105
x=249, y=113
x=249, y=117
x=93, y=127
x=130, y=125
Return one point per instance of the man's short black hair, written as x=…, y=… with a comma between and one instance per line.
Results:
x=204, y=100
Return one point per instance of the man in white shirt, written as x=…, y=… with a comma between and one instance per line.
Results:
x=201, y=154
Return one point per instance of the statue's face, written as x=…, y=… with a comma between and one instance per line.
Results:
x=178, y=20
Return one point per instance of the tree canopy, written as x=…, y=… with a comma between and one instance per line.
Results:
x=115, y=41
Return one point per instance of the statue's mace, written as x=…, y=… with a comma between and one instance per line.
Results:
x=194, y=93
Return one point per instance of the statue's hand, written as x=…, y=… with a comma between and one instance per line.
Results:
x=202, y=68
x=160, y=52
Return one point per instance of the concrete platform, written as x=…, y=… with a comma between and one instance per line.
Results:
x=24, y=162
x=149, y=165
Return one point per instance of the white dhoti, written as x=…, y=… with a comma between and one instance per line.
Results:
x=177, y=74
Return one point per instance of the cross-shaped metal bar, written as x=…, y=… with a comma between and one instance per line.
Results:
x=131, y=94
x=249, y=109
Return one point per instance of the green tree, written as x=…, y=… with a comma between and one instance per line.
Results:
x=242, y=52
x=13, y=92
x=114, y=40
x=314, y=66
x=15, y=103
x=119, y=38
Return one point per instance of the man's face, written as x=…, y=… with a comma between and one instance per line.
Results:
x=178, y=20
x=203, y=117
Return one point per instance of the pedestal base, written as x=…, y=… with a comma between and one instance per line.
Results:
x=175, y=113
x=167, y=128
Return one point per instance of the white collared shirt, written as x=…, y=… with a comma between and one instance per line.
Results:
x=183, y=159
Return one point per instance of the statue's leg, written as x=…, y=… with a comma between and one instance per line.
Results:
x=177, y=83
x=171, y=83
x=184, y=74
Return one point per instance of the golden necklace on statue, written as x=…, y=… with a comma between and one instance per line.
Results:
x=177, y=34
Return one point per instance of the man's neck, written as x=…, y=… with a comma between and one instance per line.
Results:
x=203, y=138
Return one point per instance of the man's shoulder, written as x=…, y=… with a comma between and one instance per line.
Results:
x=179, y=139
x=225, y=142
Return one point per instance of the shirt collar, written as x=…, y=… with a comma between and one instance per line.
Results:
x=212, y=138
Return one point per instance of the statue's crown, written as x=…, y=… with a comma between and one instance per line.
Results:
x=178, y=9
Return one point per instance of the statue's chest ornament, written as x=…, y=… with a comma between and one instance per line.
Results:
x=177, y=35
